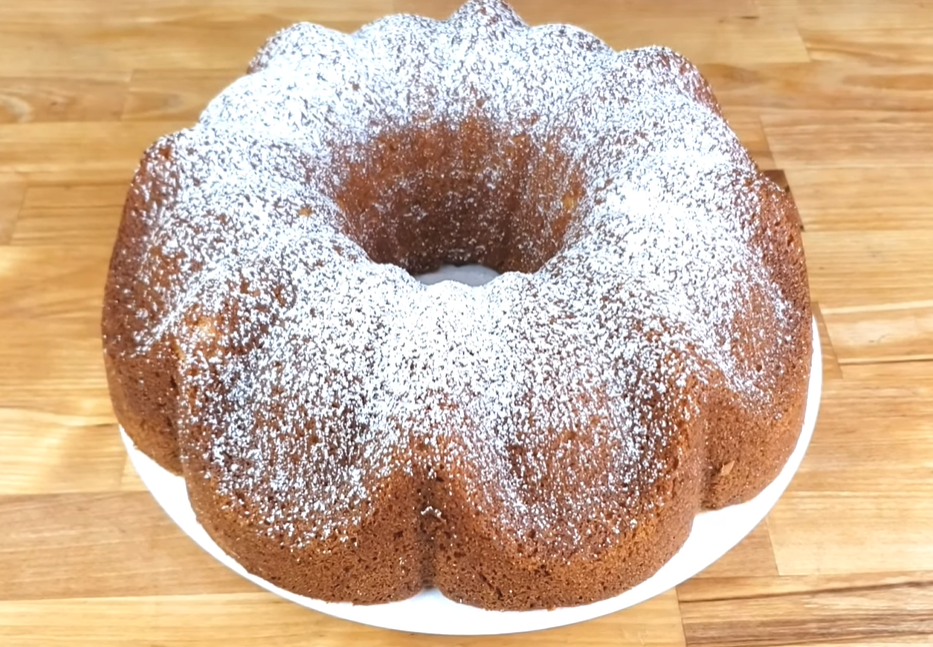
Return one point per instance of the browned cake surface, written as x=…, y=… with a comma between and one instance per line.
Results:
x=544, y=440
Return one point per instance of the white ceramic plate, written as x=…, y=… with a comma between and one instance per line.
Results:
x=713, y=534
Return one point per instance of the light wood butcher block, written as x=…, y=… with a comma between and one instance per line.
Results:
x=835, y=96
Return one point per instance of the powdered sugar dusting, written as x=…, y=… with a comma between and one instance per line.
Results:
x=292, y=343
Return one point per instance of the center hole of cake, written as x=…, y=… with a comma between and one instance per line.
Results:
x=461, y=201
x=472, y=275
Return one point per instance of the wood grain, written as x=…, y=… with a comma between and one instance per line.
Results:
x=122, y=543
x=832, y=86
x=872, y=45
x=12, y=192
x=259, y=619
x=53, y=365
x=835, y=97
x=51, y=281
x=68, y=196
x=848, y=198
x=896, y=332
x=838, y=610
x=174, y=94
x=38, y=147
x=858, y=138
x=886, y=267
x=845, y=16
x=78, y=175
x=863, y=498
x=831, y=368
x=45, y=452
x=50, y=214
x=56, y=98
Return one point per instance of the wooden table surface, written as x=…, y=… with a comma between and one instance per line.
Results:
x=838, y=95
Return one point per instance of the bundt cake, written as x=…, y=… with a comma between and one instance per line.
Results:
x=542, y=440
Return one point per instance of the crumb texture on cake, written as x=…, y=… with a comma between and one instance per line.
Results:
x=543, y=440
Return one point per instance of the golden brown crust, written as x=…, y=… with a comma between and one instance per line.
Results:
x=747, y=445
x=402, y=201
x=143, y=386
x=458, y=553
x=479, y=564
